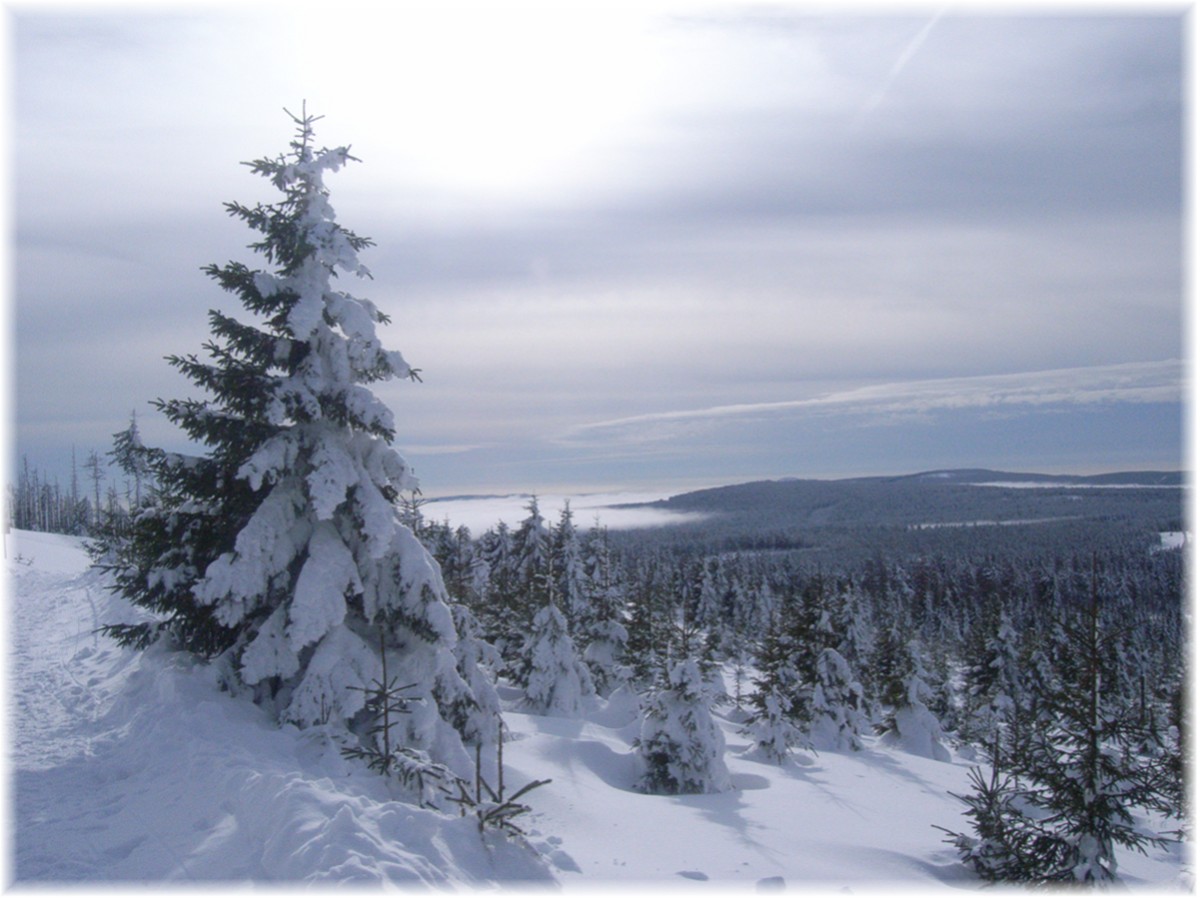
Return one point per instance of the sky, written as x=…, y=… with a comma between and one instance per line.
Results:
x=649, y=246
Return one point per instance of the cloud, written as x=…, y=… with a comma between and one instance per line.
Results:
x=902, y=60
x=1012, y=204
x=1145, y=382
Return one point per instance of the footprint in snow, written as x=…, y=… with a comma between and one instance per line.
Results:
x=693, y=875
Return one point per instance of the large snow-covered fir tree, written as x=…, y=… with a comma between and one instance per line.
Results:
x=570, y=577
x=279, y=551
x=993, y=677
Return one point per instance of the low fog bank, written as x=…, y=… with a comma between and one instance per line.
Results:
x=613, y=510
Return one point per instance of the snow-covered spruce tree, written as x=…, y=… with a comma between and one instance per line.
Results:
x=496, y=598
x=1007, y=844
x=525, y=584
x=774, y=723
x=1079, y=778
x=650, y=623
x=1084, y=770
x=992, y=676
x=128, y=453
x=838, y=719
x=909, y=724
x=556, y=682
x=680, y=744
x=570, y=578
x=475, y=713
x=280, y=552
x=110, y=525
x=604, y=621
x=532, y=552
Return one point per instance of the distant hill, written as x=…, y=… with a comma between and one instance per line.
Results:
x=1111, y=479
x=948, y=496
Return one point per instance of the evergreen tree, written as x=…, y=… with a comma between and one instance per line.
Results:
x=650, y=625
x=280, y=551
x=1075, y=782
x=532, y=587
x=680, y=745
x=475, y=710
x=991, y=675
x=499, y=595
x=95, y=469
x=556, y=683
x=570, y=577
x=908, y=723
x=532, y=555
x=1007, y=844
x=1084, y=770
x=128, y=453
x=838, y=721
x=774, y=722
x=604, y=619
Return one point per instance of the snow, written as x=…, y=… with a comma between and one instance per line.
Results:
x=1173, y=540
x=131, y=767
x=328, y=575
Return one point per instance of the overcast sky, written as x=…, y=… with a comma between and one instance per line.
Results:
x=633, y=246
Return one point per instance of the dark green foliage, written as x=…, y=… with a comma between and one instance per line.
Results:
x=1007, y=844
x=1077, y=781
x=384, y=701
x=182, y=526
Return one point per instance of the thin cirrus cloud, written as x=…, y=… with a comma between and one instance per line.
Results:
x=1149, y=382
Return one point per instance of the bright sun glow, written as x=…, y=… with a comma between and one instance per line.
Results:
x=493, y=98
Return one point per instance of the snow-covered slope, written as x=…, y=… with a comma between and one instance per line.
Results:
x=134, y=767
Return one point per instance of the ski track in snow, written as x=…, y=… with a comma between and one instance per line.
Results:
x=133, y=767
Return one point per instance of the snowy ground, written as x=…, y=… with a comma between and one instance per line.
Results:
x=134, y=768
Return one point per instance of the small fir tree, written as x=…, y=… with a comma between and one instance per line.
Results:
x=1084, y=770
x=556, y=682
x=604, y=618
x=475, y=710
x=680, y=744
x=909, y=724
x=774, y=722
x=838, y=718
x=1075, y=782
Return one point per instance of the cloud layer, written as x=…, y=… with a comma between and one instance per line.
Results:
x=1134, y=383
x=740, y=229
